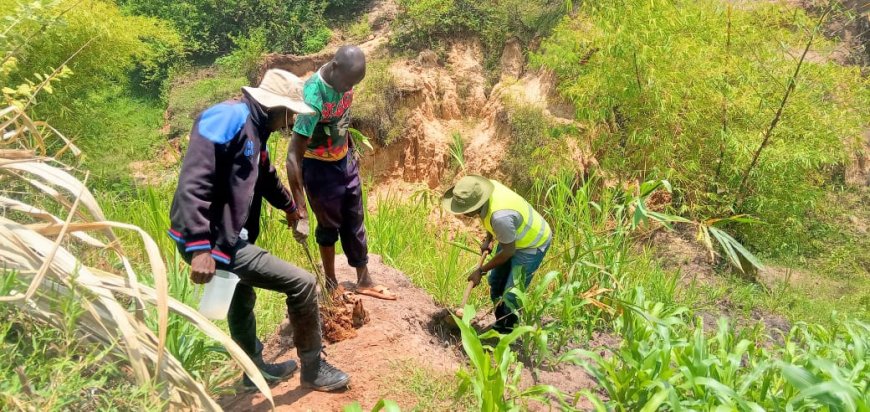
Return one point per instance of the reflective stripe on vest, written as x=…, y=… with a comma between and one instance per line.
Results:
x=534, y=232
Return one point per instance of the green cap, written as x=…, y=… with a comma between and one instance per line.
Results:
x=468, y=195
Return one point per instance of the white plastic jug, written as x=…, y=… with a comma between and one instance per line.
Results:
x=218, y=294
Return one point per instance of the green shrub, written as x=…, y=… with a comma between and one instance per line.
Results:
x=360, y=31
x=102, y=45
x=342, y=8
x=376, y=104
x=246, y=57
x=537, y=149
x=196, y=91
x=427, y=23
x=209, y=26
x=316, y=40
x=684, y=90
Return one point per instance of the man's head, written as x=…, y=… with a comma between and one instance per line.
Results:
x=348, y=68
x=468, y=196
x=280, y=93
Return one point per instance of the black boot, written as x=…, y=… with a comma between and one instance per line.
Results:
x=272, y=372
x=321, y=376
x=317, y=374
x=505, y=319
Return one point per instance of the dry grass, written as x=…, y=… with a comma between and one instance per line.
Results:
x=55, y=257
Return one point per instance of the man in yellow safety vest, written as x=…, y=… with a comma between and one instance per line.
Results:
x=522, y=234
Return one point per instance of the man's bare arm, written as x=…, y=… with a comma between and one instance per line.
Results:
x=295, y=152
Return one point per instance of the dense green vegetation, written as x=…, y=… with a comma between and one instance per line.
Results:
x=433, y=23
x=680, y=90
x=211, y=27
x=691, y=98
x=50, y=368
x=98, y=73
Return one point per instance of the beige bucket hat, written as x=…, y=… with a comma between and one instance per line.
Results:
x=468, y=195
x=280, y=88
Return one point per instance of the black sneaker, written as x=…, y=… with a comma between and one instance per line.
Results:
x=325, y=378
x=273, y=372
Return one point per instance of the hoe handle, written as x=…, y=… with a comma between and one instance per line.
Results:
x=471, y=284
x=466, y=294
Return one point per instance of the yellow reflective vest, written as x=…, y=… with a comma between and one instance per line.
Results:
x=534, y=232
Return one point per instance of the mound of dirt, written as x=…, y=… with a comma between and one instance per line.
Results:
x=398, y=332
x=340, y=320
x=679, y=250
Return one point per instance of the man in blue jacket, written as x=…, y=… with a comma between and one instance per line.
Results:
x=215, y=216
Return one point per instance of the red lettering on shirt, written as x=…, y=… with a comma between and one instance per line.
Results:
x=332, y=110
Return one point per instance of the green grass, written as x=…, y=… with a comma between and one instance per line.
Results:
x=47, y=368
x=433, y=390
x=120, y=129
x=401, y=232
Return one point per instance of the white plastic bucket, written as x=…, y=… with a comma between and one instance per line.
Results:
x=218, y=294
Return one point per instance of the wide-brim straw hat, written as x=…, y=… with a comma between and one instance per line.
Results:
x=280, y=88
x=468, y=194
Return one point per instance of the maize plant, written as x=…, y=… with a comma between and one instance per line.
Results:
x=494, y=371
x=665, y=364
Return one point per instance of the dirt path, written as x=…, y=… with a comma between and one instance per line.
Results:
x=397, y=332
x=398, y=335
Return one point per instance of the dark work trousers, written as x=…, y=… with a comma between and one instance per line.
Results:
x=335, y=195
x=257, y=268
x=504, y=277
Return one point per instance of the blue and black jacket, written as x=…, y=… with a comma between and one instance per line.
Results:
x=224, y=177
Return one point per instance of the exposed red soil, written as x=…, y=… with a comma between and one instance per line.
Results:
x=398, y=332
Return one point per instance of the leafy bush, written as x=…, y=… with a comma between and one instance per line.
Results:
x=198, y=91
x=209, y=26
x=101, y=44
x=376, y=104
x=341, y=8
x=360, y=31
x=246, y=57
x=685, y=89
x=427, y=23
x=537, y=148
x=316, y=40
